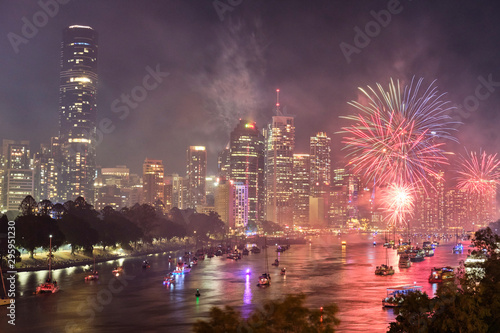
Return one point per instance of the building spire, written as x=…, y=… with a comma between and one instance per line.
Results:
x=278, y=109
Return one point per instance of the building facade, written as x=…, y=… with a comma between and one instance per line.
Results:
x=196, y=176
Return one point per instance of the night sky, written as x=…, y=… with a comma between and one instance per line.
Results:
x=226, y=65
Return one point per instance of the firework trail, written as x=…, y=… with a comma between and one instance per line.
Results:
x=394, y=138
x=479, y=173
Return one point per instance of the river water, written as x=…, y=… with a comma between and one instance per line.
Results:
x=324, y=270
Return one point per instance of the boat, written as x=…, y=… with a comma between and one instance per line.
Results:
x=459, y=248
x=429, y=252
x=255, y=249
x=344, y=243
x=118, y=270
x=276, y=263
x=94, y=275
x=182, y=268
x=49, y=286
x=5, y=300
x=283, y=271
x=442, y=274
x=404, y=261
x=169, y=279
x=245, y=252
x=265, y=278
x=145, y=264
x=384, y=269
x=234, y=255
x=416, y=255
x=396, y=295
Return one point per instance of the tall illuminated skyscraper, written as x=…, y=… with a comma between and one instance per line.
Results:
x=320, y=148
x=280, y=145
x=246, y=159
x=196, y=176
x=153, y=181
x=78, y=112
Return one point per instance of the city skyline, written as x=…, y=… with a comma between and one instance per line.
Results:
x=195, y=105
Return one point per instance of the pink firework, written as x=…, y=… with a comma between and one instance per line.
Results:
x=479, y=173
x=396, y=136
x=398, y=202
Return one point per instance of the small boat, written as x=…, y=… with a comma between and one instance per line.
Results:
x=182, y=268
x=49, y=286
x=276, y=263
x=118, y=270
x=245, y=252
x=169, y=279
x=283, y=271
x=404, y=261
x=384, y=270
x=264, y=280
x=440, y=275
x=429, y=252
x=145, y=264
x=197, y=294
x=234, y=256
x=459, y=248
x=344, y=243
x=255, y=249
x=417, y=255
x=395, y=295
x=94, y=275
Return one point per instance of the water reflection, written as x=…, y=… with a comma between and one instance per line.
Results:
x=324, y=270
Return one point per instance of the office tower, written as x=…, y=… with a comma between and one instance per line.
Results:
x=18, y=176
x=210, y=186
x=179, y=190
x=78, y=112
x=196, y=176
x=47, y=171
x=112, y=187
x=246, y=151
x=153, y=182
x=301, y=189
x=223, y=163
x=280, y=145
x=429, y=205
x=320, y=150
x=238, y=201
x=222, y=199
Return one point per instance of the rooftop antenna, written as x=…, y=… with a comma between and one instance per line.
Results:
x=278, y=110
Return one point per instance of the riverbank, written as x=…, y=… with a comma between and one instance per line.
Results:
x=64, y=259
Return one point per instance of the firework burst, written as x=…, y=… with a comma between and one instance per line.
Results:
x=394, y=138
x=398, y=202
x=479, y=173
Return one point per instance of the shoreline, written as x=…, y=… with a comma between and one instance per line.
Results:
x=90, y=261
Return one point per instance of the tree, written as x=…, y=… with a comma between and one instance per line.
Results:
x=287, y=315
x=78, y=233
x=28, y=206
x=33, y=232
x=45, y=207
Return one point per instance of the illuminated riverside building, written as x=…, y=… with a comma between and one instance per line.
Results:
x=456, y=208
x=18, y=180
x=153, y=182
x=280, y=145
x=113, y=187
x=320, y=151
x=246, y=164
x=78, y=112
x=301, y=189
x=429, y=208
x=196, y=176
x=179, y=190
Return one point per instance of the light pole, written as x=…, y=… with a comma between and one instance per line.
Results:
x=50, y=255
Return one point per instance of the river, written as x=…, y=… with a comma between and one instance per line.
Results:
x=324, y=270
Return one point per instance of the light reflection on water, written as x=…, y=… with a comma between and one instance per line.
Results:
x=325, y=271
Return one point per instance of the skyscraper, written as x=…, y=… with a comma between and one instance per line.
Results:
x=153, y=181
x=196, y=176
x=280, y=145
x=47, y=171
x=246, y=158
x=78, y=112
x=18, y=177
x=320, y=164
x=301, y=188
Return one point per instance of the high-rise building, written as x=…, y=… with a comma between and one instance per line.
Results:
x=246, y=157
x=18, y=181
x=301, y=189
x=196, y=176
x=78, y=112
x=179, y=189
x=153, y=181
x=320, y=150
x=280, y=145
x=47, y=171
